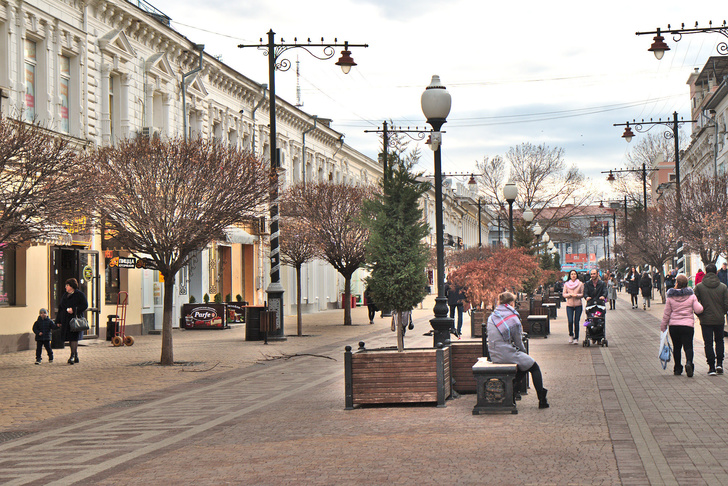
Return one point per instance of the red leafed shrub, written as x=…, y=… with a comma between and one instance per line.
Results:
x=502, y=269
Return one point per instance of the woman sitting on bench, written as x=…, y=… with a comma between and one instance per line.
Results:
x=506, y=347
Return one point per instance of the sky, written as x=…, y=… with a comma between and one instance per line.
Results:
x=558, y=73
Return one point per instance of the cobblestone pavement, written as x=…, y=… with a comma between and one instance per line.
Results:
x=245, y=413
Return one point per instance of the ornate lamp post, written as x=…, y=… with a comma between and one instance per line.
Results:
x=436, y=102
x=274, y=50
x=510, y=192
x=658, y=47
x=643, y=170
x=673, y=125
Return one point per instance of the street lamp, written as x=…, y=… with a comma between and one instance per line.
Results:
x=537, y=233
x=274, y=51
x=643, y=170
x=436, y=102
x=658, y=47
x=474, y=187
x=644, y=126
x=510, y=192
x=528, y=214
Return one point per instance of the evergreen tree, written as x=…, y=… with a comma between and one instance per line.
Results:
x=396, y=253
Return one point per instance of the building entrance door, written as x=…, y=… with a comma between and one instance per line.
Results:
x=83, y=265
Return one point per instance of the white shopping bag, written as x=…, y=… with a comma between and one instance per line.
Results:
x=665, y=349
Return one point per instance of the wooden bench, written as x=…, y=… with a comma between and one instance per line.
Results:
x=551, y=307
x=494, y=387
x=464, y=355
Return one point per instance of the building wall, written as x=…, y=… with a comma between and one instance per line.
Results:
x=123, y=80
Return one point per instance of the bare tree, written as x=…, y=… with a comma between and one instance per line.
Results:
x=166, y=200
x=40, y=184
x=701, y=222
x=333, y=213
x=297, y=247
x=651, y=237
x=543, y=181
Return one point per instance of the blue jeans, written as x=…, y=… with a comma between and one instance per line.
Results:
x=573, y=314
x=459, y=307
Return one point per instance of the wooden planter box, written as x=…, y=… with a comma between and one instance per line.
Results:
x=477, y=318
x=375, y=376
x=464, y=355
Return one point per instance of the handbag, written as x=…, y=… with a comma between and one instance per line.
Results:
x=78, y=324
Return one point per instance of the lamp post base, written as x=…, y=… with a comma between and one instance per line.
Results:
x=441, y=324
x=275, y=303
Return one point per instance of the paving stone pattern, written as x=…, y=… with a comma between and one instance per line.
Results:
x=246, y=413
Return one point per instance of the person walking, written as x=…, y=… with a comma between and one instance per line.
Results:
x=595, y=290
x=371, y=306
x=42, y=329
x=573, y=292
x=723, y=274
x=506, y=346
x=713, y=296
x=699, y=276
x=633, y=286
x=646, y=288
x=612, y=293
x=681, y=305
x=72, y=304
x=455, y=299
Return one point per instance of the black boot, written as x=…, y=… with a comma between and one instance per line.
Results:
x=542, y=403
x=75, y=357
x=70, y=360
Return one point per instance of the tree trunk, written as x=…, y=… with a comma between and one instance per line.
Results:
x=167, y=358
x=398, y=330
x=298, y=301
x=347, y=300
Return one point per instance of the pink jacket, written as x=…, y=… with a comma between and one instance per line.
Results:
x=573, y=292
x=681, y=306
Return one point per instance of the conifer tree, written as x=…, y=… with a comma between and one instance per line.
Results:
x=396, y=252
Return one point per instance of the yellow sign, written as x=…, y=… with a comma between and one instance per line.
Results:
x=88, y=272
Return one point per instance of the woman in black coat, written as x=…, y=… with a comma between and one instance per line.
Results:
x=633, y=286
x=73, y=304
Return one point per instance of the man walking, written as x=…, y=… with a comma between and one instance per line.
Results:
x=595, y=290
x=723, y=274
x=713, y=296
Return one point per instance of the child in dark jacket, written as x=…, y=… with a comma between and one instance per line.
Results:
x=42, y=329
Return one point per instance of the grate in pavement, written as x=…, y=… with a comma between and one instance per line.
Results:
x=176, y=363
x=12, y=435
x=127, y=403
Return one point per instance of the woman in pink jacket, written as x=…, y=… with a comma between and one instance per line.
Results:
x=573, y=292
x=680, y=309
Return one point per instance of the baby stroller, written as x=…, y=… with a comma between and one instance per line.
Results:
x=594, y=325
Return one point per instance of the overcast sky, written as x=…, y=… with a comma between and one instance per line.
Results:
x=558, y=73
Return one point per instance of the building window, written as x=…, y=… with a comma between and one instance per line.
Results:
x=113, y=282
x=7, y=276
x=64, y=87
x=30, y=81
x=112, y=108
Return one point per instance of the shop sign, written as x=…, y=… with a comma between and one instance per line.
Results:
x=127, y=262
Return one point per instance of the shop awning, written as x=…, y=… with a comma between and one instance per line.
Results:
x=237, y=235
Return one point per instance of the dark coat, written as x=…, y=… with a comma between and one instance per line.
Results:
x=593, y=292
x=76, y=301
x=42, y=328
x=713, y=295
x=723, y=276
x=633, y=286
x=454, y=295
x=646, y=286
